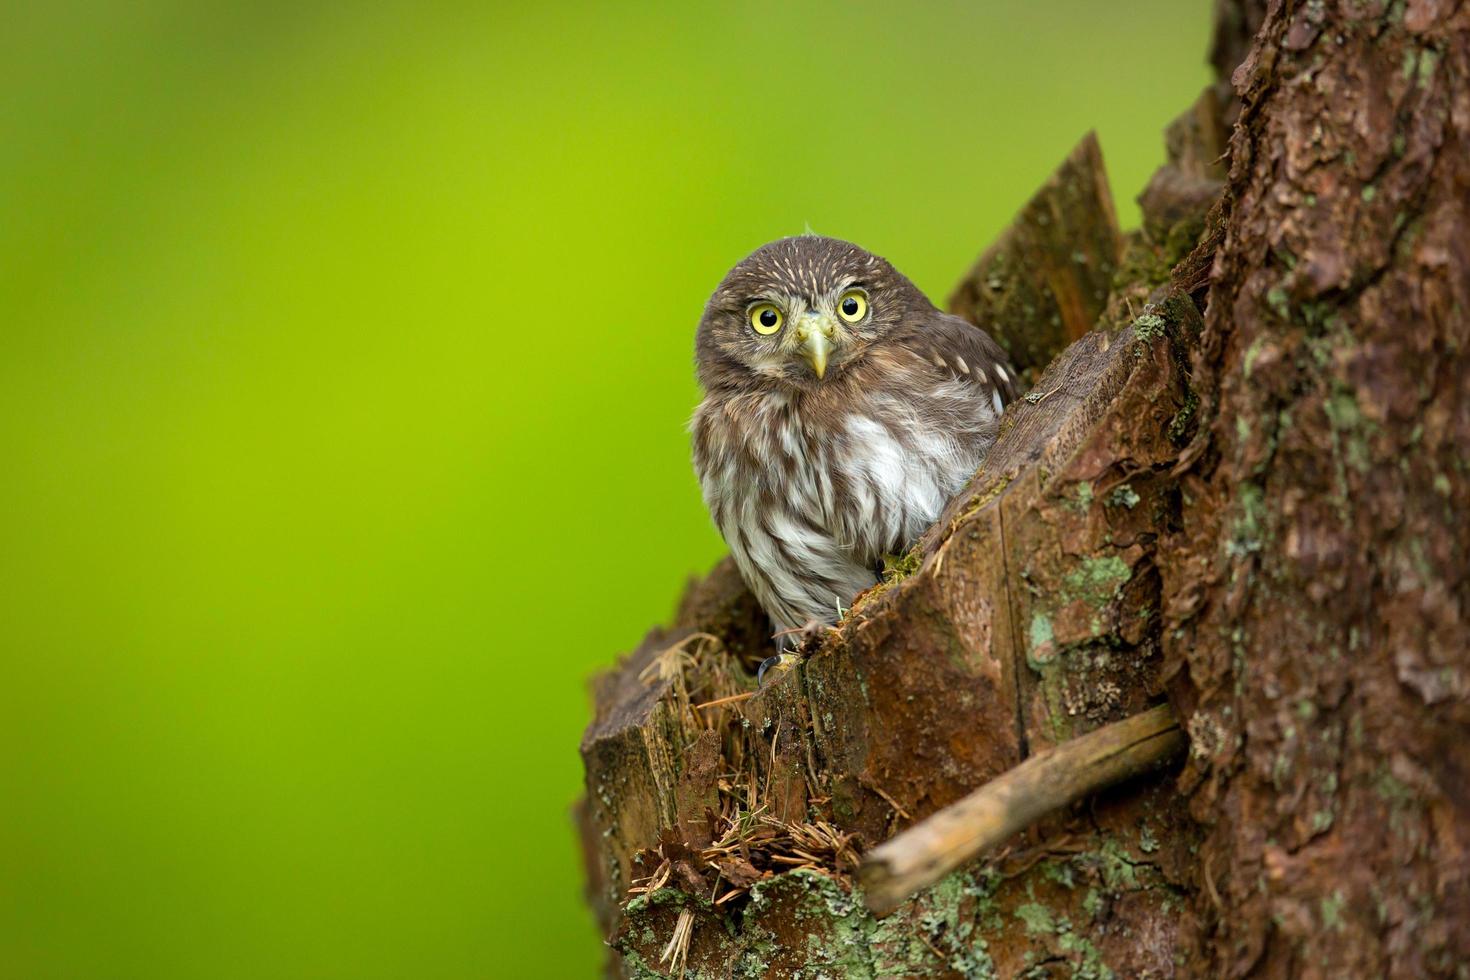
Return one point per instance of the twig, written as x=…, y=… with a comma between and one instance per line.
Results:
x=771, y=769
x=1015, y=800
x=889, y=800
x=676, y=953
x=725, y=700
x=933, y=949
x=1041, y=398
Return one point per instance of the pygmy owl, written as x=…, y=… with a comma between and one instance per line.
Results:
x=841, y=412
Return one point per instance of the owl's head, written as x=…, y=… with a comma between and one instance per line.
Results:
x=798, y=311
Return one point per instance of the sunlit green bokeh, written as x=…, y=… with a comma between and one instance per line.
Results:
x=343, y=375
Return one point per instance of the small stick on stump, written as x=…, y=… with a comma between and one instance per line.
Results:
x=1013, y=801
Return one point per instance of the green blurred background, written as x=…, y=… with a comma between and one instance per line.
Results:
x=343, y=375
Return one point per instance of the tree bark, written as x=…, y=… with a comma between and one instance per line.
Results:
x=1316, y=596
x=1241, y=490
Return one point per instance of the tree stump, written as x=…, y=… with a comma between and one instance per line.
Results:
x=723, y=824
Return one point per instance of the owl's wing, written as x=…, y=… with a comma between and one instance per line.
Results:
x=962, y=351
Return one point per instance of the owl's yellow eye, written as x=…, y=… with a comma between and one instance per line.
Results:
x=765, y=319
x=853, y=306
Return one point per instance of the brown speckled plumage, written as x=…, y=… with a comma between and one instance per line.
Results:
x=813, y=480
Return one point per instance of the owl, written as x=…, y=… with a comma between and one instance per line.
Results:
x=841, y=412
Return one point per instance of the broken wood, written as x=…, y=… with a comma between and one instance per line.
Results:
x=1012, y=802
x=1046, y=280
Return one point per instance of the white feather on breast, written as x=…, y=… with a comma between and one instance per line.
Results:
x=811, y=520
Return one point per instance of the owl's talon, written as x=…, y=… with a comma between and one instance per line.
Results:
x=780, y=663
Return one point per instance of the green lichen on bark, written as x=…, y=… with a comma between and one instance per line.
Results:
x=980, y=922
x=806, y=926
x=1097, y=579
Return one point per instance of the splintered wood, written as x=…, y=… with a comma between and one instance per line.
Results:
x=1045, y=281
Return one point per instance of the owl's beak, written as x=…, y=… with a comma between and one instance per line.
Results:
x=816, y=344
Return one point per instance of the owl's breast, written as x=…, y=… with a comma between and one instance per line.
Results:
x=871, y=468
x=760, y=455
x=898, y=465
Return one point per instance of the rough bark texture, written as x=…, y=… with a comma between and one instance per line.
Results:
x=1257, y=511
x=1316, y=601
